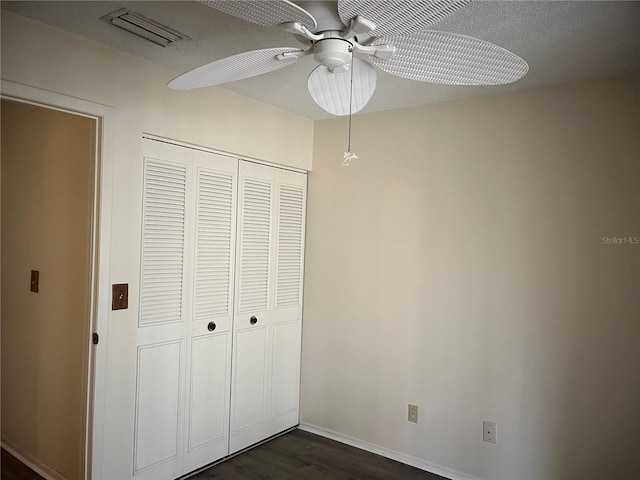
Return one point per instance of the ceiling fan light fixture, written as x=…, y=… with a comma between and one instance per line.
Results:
x=332, y=91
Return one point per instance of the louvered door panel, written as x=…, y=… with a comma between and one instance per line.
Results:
x=255, y=245
x=290, y=245
x=214, y=244
x=163, y=243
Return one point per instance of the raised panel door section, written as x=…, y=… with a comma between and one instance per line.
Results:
x=206, y=422
x=286, y=369
x=250, y=353
x=210, y=334
x=250, y=389
x=207, y=414
x=157, y=449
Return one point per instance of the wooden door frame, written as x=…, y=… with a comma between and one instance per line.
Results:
x=100, y=257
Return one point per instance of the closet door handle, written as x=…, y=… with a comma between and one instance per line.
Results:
x=212, y=326
x=253, y=320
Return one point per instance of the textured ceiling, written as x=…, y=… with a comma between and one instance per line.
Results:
x=561, y=42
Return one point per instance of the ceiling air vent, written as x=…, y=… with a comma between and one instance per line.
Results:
x=145, y=28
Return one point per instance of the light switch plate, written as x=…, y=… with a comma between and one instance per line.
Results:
x=120, y=296
x=35, y=280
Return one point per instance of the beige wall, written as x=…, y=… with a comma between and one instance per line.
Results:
x=459, y=265
x=50, y=59
x=47, y=177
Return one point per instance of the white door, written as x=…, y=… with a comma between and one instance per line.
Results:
x=286, y=314
x=210, y=325
x=267, y=322
x=249, y=408
x=161, y=332
x=184, y=330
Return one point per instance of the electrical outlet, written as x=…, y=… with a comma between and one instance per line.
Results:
x=413, y=413
x=489, y=431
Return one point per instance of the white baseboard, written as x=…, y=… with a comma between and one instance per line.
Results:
x=388, y=453
x=42, y=470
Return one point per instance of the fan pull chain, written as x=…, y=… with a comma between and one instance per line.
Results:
x=350, y=101
x=349, y=155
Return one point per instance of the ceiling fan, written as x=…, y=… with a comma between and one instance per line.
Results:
x=348, y=41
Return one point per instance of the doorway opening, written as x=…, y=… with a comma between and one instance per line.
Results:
x=48, y=198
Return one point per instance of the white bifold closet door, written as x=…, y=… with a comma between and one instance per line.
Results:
x=219, y=328
x=184, y=335
x=268, y=303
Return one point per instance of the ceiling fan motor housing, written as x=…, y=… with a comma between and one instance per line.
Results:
x=333, y=53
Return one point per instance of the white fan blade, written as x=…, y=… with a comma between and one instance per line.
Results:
x=268, y=13
x=452, y=59
x=237, y=67
x=398, y=17
x=333, y=92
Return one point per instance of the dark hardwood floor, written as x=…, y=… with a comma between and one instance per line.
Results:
x=14, y=469
x=296, y=455
x=301, y=455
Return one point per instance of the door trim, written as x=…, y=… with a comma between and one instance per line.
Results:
x=101, y=253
